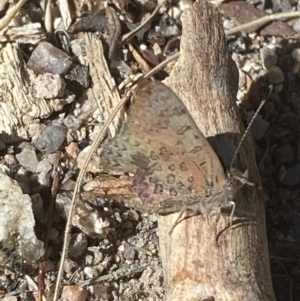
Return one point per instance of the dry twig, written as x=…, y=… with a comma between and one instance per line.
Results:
x=263, y=21
x=12, y=12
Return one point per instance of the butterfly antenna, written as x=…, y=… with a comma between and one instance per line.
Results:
x=250, y=124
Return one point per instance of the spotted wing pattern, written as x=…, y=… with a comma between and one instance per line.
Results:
x=172, y=162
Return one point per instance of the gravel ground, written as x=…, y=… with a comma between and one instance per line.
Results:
x=116, y=244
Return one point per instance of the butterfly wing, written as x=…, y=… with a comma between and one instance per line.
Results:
x=172, y=162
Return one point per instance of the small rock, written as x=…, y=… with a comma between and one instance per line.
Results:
x=2, y=145
x=281, y=172
x=278, y=88
x=94, y=163
x=78, y=245
x=47, y=58
x=16, y=217
x=259, y=126
x=296, y=271
x=296, y=54
x=153, y=218
x=10, y=159
x=296, y=26
x=169, y=31
x=79, y=74
x=284, y=154
x=75, y=293
x=129, y=253
x=40, y=182
x=72, y=150
x=98, y=255
x=53, y=234
x=89, y=259
x=70, y=266
x=26, y=145
x=23, y=180
x=35, y=128
x=90, y=272
x=50, y=265
x=10, y=298
x=268, y=56
x=85, y=218
x=27, y=158
x=280, y=236
x=49, y=85
x=73, y=123
x=127, y=225
x=117, y=217
x=174, y=12
x=37, y=205
x=298, y=151
x=292, y=177
x=51, y=138
x=275, y=75
x=44, y=166
x=69, y=185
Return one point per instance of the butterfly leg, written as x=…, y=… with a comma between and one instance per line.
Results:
x=177, y=221
x=232, y=203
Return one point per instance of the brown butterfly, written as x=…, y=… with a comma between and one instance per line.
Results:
x=173, y=165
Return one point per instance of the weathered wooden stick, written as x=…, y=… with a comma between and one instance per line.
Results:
x=196, y=266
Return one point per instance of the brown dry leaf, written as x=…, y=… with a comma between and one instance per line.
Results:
x=253, y=92
x=72, y=150
x=242, y=13
x=74, y=293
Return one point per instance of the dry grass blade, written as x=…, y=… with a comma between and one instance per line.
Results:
x=262, y=21
x=12, y=12
x=131, y=34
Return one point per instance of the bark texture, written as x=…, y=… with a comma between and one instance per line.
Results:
x=196, y=266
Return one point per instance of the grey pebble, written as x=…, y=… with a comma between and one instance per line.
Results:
x=40, y=182
x=284, y=154
x=53, y=234
x=89, y=259
x=49, y=86
x=10, y=159
x=275, y=75
x=70, y=266
x=2, y=145
x=292, y=177
x=296, y=271
x=44, y=166
x=27, y=158
x=259, y=126
x=268, y=56
x=296, y=26
x=78, y=245
x=47, y=58
x=50, y=265
x=296, y=54
x=37, y=205
x=69, y=185
x=129, y=253
x=51, y=138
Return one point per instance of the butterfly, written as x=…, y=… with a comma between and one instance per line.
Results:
x=173, y=166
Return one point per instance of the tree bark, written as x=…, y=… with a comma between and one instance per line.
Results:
x=196, y=266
